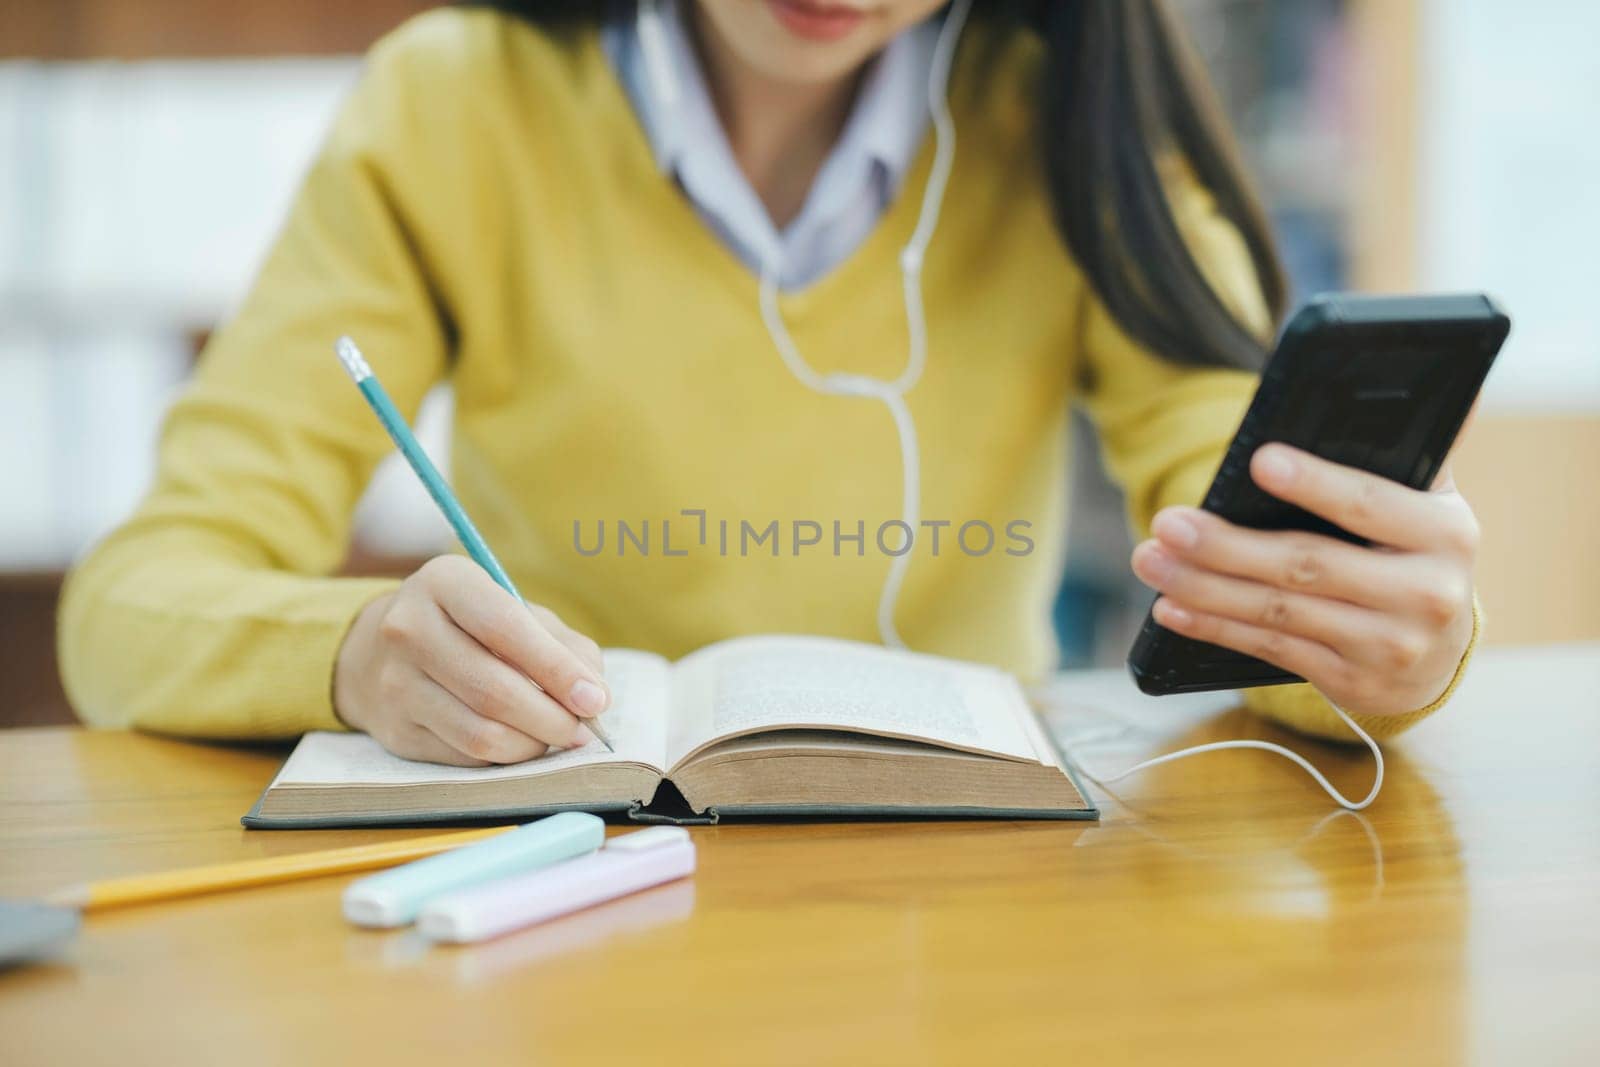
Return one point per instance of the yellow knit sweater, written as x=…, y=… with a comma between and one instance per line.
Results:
x=486, y=210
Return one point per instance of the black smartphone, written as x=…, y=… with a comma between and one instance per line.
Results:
x=1382, y=383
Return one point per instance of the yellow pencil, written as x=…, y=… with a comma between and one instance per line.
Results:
x=192, y=881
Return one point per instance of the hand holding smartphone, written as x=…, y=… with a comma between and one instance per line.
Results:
x=1380, y=384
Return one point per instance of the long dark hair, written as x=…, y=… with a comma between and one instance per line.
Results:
x=1120, y=90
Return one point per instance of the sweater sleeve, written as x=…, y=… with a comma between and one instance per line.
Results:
x=1164, y=428
x=210, y=612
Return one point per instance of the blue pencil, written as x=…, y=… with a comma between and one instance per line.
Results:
x=432, y=480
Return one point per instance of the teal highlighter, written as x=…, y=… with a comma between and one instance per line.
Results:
x=395, y=897
x=400, y=433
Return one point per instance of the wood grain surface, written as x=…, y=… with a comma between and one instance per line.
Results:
x=1221, y=912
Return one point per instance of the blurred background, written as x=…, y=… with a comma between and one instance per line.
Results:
x=149, y=150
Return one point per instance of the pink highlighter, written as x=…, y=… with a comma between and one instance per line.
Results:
x=627, y=864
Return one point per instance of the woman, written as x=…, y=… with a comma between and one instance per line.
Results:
x=680, y=264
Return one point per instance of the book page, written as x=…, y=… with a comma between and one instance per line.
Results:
x=753, y=684
x=636, y=724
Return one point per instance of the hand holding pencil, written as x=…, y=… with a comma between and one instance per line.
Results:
x=454, y=667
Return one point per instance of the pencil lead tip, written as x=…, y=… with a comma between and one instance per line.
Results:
x=600, y=735
x=354, y=363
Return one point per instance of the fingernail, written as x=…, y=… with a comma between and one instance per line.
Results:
x=588, y=697
x=1170, y=614
x=1154, y=562
x=1275, y=465
x=1175, y=530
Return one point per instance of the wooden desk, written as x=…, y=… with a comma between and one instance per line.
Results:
x=1218, y=913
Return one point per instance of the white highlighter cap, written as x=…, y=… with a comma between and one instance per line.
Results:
x=654, y=837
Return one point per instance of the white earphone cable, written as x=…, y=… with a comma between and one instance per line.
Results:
x=657, y=55
x=892, y=394
x=1268, y=746
x=944, y=154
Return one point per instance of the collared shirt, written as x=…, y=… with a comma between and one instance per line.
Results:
x=856, y=184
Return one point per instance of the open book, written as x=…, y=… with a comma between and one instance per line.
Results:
x=748, y=726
